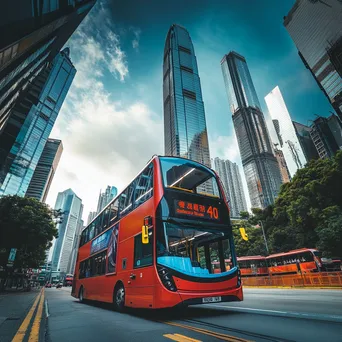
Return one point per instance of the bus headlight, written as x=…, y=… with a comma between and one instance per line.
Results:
x=166, y=278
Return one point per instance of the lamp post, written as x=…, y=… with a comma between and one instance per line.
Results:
x=263, y=233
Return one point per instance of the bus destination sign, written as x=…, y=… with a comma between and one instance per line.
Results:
x=196, y=210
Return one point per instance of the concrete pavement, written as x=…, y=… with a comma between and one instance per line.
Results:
x=71, y=321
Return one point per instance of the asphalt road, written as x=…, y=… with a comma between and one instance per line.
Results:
x=265, y=315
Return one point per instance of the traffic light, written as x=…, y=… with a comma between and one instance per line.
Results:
x=243, y=234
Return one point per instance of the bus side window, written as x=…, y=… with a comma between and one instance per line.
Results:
x=142, y=252
x=126, y=199
x=113, y=211
x=144, y=186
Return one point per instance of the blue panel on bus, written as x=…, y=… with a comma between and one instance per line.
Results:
x=183, y=265
x=100, y=242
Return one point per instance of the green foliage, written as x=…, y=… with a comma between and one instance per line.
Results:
x=28, y=225
x=307, y=212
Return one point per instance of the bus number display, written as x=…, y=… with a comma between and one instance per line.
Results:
x=197, y=210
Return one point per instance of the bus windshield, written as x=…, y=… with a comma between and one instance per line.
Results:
x=192, y=250
x=183, y=174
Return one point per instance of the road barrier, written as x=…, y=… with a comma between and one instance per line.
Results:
x=322, y=279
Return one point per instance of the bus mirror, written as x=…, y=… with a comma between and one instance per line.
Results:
x=144, y=235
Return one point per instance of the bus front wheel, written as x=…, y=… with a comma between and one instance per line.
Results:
x=119, y=298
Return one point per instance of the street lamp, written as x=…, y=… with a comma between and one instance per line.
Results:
x=263, y=233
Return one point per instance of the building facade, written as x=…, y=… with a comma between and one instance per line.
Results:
x=36, y=31
x=288, y=140
x=32, y=118
x=326, y=134
x=45, y=170
x=185, y=129
x=315, y=27
x=68, y=230
x=259, y=163
x=106, y=197
x=305, y=140
x=284, y=171
x=232, y=183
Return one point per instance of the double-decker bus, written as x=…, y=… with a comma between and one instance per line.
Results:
x=68, y=280
x=253, y=266
x=154, y=244
x=302, y=260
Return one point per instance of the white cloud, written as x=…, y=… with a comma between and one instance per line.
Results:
x=104, y=142
x=136, y=40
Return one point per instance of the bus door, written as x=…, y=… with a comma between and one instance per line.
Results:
x=142, y=277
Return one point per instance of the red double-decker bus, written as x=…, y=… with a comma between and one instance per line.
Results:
x=253, y=266
x=153, y=246
x=302, y=260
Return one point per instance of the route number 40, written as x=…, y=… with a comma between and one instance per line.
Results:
x=213, y=212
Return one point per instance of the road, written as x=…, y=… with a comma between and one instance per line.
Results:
x=265, y=315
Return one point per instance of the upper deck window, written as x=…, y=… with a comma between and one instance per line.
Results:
x=186, y=175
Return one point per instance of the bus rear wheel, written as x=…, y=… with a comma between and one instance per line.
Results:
x=81, y=295
x=119, y=298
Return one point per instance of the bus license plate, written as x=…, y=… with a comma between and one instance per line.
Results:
x=211, y=300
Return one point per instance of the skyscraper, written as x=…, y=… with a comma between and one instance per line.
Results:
x=284, y=171
x=315, y=27
x=232, y=183
x=106, y=197
x=91, y=216
x=259, y=163
x=326, y=134
x=288, y=140
x=36, y=31
x=32, y=118
x=68, y=230
x=305, y=140
x=185, y=130
x=45, y=170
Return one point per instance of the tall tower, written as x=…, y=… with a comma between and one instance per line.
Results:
x=32, y=118
x=68, y=230
x=232, y=183
x=315, y=27
x=259, y=163
x=43, y=174
x=289, y=142
x=185, y=129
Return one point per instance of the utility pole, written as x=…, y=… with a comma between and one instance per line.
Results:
x=263, y=233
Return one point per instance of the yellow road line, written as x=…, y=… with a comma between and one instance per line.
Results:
x=19, y=336
x=223, y=337
x=34, y=334
x=180, y=338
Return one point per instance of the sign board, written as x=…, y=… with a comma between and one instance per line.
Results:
x=195, y=210
x=11, y=257
x=100, y=242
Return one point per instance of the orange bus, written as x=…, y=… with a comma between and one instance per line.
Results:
x=154, y=244
x=253, y=266
x=302, y=260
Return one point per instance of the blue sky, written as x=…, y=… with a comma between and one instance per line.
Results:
x=112, y=120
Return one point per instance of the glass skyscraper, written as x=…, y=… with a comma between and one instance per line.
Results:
x=185, y=129
x=232, y=183
x=31, y=123
x=305, y=140
x=69, y=230
x=106, y=197
x=45, y=170
x=288, y=140
x=316, y=29
x=259, y=163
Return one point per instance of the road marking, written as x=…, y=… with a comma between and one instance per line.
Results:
x=46, y=309
x=335, y=318
x=180, y=338
x=34, y=334
x=19, y=336
x=220, y=336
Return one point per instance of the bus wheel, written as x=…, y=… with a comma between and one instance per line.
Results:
x=80, y=295
x=119, y=298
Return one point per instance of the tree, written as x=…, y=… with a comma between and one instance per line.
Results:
x=28, y=225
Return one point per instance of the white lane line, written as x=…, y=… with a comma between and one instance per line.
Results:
x=46, y=309
x=282, y=313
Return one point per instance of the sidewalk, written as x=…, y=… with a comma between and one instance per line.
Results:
x=13, y=309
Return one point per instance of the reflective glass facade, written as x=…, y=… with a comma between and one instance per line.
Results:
x=259, y=163
x=39, y=108
x=45, y=170
x=315, y=27
x=68, y=230
x=289, y=143
x=185, y=130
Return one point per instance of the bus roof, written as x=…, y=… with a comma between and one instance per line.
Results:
x=295, y=251
x=253, y=257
